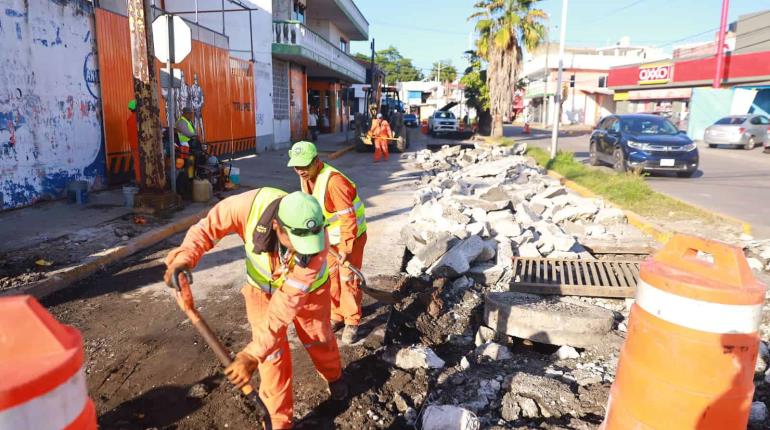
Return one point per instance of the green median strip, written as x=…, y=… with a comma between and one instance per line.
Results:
x=628, y=191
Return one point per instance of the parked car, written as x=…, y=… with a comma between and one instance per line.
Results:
x=744, y=131
x=410, y=120
x=643, y=142
x=442, y=121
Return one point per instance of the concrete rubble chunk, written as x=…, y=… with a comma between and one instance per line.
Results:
x=493, y=168
x=476, y=228
x=414, y=357
x=505, y=252
x=755, y=264
x=448, y=417
x=400, y=402
x=510, y=409
x=763, y=359
x=437, y=246
x=572, y=213
x=494, y=351
x=542, y=390
x=551, y=320
x=503, y=223
x=608, y=216
x=457, y=260
x=489, y=252
x=550, y=192
x=528, y=250
x=485, y=334
x=495, y=194
x=525, y=214
x=566, y=353
x=486, y=273
x=529, y=408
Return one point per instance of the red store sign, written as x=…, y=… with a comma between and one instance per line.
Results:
x=658, y=73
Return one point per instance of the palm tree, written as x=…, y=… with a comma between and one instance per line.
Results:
x=505, y=28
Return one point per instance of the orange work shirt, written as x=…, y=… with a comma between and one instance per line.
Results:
x=340, y=194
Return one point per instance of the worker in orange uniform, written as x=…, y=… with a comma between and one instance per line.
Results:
x=288, y=281
x=346, y=225
x=133, y=139
x=380, y=131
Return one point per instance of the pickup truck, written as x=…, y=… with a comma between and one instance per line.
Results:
x=442, y=121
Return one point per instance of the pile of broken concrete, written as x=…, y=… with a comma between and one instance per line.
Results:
x=495, y=358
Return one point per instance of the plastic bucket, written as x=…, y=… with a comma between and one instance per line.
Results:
x=77, y=192
x=128, y=195
x=235, y=175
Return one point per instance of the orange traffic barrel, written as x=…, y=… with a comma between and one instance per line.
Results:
x=42, y=384
x=691, y=347
x=424, y=126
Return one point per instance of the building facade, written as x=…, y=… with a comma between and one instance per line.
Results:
x=585, y=95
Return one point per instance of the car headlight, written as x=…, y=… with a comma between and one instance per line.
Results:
x=639, y=146
x=689, y=147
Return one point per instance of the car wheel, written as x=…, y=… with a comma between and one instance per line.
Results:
x=619, y=161
x=687, y=174
x=749, y=145
x=593, y=157
x=712, y=145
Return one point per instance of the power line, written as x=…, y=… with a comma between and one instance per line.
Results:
x=422, y=29
x=614, y=11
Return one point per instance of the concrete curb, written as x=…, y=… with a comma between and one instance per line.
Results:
x=659, y=234
x=337, y=154
x=66, y=277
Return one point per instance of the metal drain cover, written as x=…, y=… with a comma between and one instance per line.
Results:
x=593, y=278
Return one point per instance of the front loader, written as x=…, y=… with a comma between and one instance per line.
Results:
x=384, y=100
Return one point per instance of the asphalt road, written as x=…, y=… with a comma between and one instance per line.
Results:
x=729, y=181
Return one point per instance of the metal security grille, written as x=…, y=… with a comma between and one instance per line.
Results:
x=596, y=278
x=280, y=89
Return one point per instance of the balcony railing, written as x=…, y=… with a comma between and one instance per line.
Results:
x=317, y=49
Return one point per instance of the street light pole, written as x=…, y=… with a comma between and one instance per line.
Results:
x=721, y=45
x=557, y=99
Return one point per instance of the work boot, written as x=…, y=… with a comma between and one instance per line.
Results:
x=337, y=325
x=338, y=390
x=350, y=334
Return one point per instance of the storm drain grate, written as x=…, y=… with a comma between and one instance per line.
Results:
x=596, y=278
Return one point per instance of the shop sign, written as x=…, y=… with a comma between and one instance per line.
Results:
x=658, y=73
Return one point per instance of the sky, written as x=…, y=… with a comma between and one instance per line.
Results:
x=428, y=31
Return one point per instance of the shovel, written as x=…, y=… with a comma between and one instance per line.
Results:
x=379, y=295
x=185, y=301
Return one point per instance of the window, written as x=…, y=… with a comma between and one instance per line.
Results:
x=444, y=115
x=763, y=120
x=755, y=121
x=298, y=14
x=343, y=45
x=607, y=123
x=731, y=120
x=648, y=126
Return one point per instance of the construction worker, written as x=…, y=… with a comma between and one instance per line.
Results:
x=380, y=131
x=133, y=139
x=288, y=281
x=187, y=138
x=344, y=213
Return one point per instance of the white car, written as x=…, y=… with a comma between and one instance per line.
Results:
x=442, y=121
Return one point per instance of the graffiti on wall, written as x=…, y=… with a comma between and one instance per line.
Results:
x=50, y=120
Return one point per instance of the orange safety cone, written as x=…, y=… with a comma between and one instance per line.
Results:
x=42, y=385
x=689, y=356
x=526, y=128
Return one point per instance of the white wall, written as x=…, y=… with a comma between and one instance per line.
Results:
x=50, y=118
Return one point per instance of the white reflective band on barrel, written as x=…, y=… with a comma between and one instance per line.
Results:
x=698, y=315
x=55, y=409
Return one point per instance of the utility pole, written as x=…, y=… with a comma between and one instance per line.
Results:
x=547, y=76
x=557, y=101
x=721, y=45
x=154, y=193
x=438, y=76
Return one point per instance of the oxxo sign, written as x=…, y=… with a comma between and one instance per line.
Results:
x=658, y=73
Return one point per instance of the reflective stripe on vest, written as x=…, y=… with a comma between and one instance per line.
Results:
x=55, y=409
x=259, y=266
x=333, y=218
x=190, y=128
x=697, y=314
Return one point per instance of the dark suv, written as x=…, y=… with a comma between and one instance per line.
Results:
x=643, y=142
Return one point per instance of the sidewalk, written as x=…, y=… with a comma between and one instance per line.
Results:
x=49, y=245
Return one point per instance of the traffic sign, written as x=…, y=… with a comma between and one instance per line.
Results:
x=181, y=38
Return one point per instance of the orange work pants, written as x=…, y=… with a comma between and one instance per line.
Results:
x=380, y=149
x=313, y=330
x=345, y=292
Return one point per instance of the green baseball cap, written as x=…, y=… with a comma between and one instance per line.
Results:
x=303, y=219
x=301, y=154
x=132, y=104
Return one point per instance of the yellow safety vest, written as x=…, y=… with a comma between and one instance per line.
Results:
x=259, y=266
x=190, y=128
x=333, y=218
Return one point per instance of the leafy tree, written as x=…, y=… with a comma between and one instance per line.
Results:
x=396, y=67
x=505, y=28
x=444, y=72
x=476, y=91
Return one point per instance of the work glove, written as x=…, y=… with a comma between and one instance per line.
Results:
x=240, y=370
x=175, y=263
